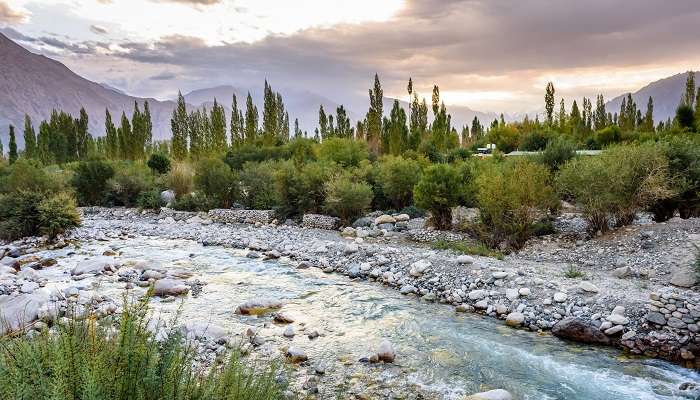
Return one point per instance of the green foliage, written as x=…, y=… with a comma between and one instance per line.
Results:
x=606, y=136
x=258, y=185
x=614, y=186
x=511, y=196
x=505, y=137
x=129, y=181
x=345, y=152
x=572, y=272
x=458, y=154
x=193, y=202
x=181, y=179
x=150, y=200
x=250, y=152
x=159, y=163
x=397, y=177
x=27, y=175
x=685, y=116
x=478, y=249
x=57, y=214
x=346, y=198
x=535, y=140
x=557, y=153
x=439, y=189
x=683, y=155
x=214, y=179
x=121, y=360
x=302, y=190
x=90, y=181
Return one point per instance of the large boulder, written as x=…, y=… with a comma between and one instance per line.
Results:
x=384, y=219
x=170, y=287
x=258, y=306
x=684, y=278
x=96, y=265
x=167, y=197
x=20, y=310
x=579, y=330
x=198, y=330
x=497, y=394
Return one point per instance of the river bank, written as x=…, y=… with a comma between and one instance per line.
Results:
x=529, y=289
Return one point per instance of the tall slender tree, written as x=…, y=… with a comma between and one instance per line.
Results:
x=218, y=128
x=251, y=120
x=111, y=139
x=322, y=123
x=549, y=102
x=648, y=124
x=236, y=123
x=178, y=124
x=374, y=116
x=689, y=95
x=600, y=120
x=29, y=138
x=297, y=132
x=12, y=155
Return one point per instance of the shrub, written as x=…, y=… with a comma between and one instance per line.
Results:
x=572, y=272
x=150, y=200
x=506, y=138
x=557, y=153
x=216, y=181
x=606, y=136
x=616, y=185
x=478, y=249
x=458, y=154
x=685, y=117
x=439, y=189
x=397, y=177
x=347, y=199
x=413, y=212
x=239, y=156
x=120, y=359
x=683, y=155
x=257, y=185
x=90, y=181
x=193, y=202
x=181, y=179
x=57, y=214
x=511, y=196
x=27, y=175
x=129, y=181
x=159, y=163
x=535, y=141
x=343, y=151
x=30, y=213
x=301, y=150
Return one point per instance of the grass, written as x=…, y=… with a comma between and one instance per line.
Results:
x=90, y=360
x=572, y=272
x=478, y=249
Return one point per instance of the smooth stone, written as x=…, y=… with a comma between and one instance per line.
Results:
x=497, y=394
x=560, y=297
x=579, y=330
x=258, y=306
x=386, y=352
x=170, y=287
x=515, y=319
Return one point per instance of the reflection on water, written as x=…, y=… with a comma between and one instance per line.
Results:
x=451, y=353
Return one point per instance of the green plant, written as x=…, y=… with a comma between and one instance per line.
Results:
x=215, y=180
x=572, y=272
x=181, y=179
x=606, y=136
x=347, y=199
x=90, y=181
x=474, y=249
x=150, y=200
x=345, y=152
x=193, y=202
x=536, y=140
x=57, y=214
x=257, y=185
x=413, y=212
x=511, y=196
x=159, y=163
x=557, y=153
x=614, y=186
x=397, y=177
x=119, y=359
x=683, y=155
x=439, y=189
x=129, y=181
x=27, y=175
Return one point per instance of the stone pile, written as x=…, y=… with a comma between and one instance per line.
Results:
x=253, y=217
x=318, y=221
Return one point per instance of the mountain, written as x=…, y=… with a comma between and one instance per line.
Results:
x=34, y=84
x=666, y=93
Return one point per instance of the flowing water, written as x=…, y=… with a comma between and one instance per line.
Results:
x=441, y=351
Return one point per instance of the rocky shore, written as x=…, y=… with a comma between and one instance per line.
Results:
x=634, y=289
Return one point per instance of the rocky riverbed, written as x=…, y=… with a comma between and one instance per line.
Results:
x=620, y=295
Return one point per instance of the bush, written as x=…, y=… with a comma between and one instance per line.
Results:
x=238, y=157
x=57, y=214
x=557, y=153
x=345, y=152
x=150, y=200
x=181, y=179
x=27, y=175
x=90, y=181
x=193, y=202
x=30, y=213
x=257, y=186
x=535, y=141
x=129, y=181
x=616, y=185
x=458, y=154
x=397, y=177
x=216, y=181
x=511, y=196
x=683, y=155
x=606, y=136
x=506, y=138
x=439, y=189
x=159, y=163
x=120, y=359
x=685, y=116
x=347, y=199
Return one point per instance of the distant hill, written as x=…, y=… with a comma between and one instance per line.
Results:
x=34, y=84
x=666, y=93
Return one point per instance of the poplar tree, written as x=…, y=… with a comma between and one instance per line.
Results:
x=397, y=130
x=575, y=118
x=601, y=119
x=477, y=128
x=12, y=155
x=83, y=138
x=648, y=125
x=178, y=124
x=374, y=116
x=124, y=133
x=322, y=123
x=111, y=140
x=549, y=102
x=281, y=133
x=343, y=126
x=29, y=138
x=251, y=120
x=218, y=128
x=2, y=151
x=236, y=123
x=285, y=127
x=689, y=96
x=562, y=116
x=196, y=134
x=297, y=132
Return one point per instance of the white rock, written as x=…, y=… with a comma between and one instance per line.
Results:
x=588, y=287
x=524, y=292
x=477, y=294
x=170, y=287
x=465, y=259
x=386, y=352
x=96, y=265
x=512, y=294
x=617, y=319
x=560, y=297
x=289, y=332
x=384, y=219
x=498, y=394
x=418, y=268
x=515, y=319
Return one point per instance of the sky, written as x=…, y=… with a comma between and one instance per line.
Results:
x=489, y=55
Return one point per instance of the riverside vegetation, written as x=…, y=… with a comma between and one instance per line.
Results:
x=399, y=163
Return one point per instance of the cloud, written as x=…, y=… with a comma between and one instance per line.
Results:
x=10, y=16
x=190, y=2
x=163, y=76
x=99, y=30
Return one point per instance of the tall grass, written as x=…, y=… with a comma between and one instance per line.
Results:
x=87, y=360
